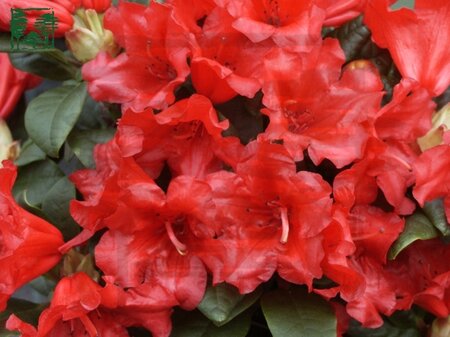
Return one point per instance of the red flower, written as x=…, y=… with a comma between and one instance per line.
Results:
x=29, y=245
x=154, y=234
x=99, y=6
x=63, y=12
x=387, y=166
x=188, y=135
x=154, y=63
x=316, y=110
x=226, y=63
x=433, y=177
x=291, y=24
x=408, y=115
x=339, y=12
x=373, y=232
x=268, y=217
x=13, y=82
x=421, y=275
x=80, y=307
x=402, y=31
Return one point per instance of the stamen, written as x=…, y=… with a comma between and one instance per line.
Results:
x=284, y=225
x=181, y=247
x=89, y=326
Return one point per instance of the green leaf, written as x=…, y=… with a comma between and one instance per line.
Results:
x=51, y=116
x=34, y=181
x=354, y=38
x=30, y=153
x=388, y=329
x=25, y=310
x=294, y=313
x=55, y=206
x=403, y=3
x=194, y=324
x=82, y=143
x=48, y=64
x=5, y=43
x=223, y=302
x=417, y=227
x=436, y=214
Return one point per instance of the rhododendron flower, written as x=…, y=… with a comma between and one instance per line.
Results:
x=387, y=166
x=407, y=116
x=311, y=108
x=422, y=276
x=291, y=24
x=268, y=216
x=433, y=176
x=63, y=10
x=80, y=307
x=373, y=232
x=154, y=63
x=417, y=39
x=29, y=245
x=13, y=82
x=339, y=12
x=156, y=233
x=226, y=63
x=187, y=136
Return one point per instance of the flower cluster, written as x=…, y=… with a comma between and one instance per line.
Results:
x=324, y=189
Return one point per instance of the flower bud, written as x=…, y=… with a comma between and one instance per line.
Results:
x=75, y=262
x=440, y=125
x=440, y=327
x=88, y=36
x=9, y=149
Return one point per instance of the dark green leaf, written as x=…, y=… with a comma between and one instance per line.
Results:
x=30, y=153
x=417, y=227
x=436, y=214
x=51, y=116
x=27, y=311
x=194, y=324
x=388, y=329
x=5, y=42
x=354, y=38
x=48, y=64
x=294, y=313
x=223, y=302
x=82, y=143
x=55, y=206
x=35, y=180
x=91, y=115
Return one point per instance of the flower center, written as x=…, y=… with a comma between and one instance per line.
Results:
x=180, y=247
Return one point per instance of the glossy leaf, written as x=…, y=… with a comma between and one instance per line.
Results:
x=35, y=180
x=55, y=205
x=417, y=227
x=48, y=64
x=82, y=143
x=25, y=310
x=436, y=214
x=224, y=302
x=30, y=153
x=294, y=313
x=51, y=116
x=194, y=324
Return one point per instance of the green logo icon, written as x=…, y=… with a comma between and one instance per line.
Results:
x=40, y=36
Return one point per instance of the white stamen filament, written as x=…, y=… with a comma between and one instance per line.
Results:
x=284, y=225
x=181, y=247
